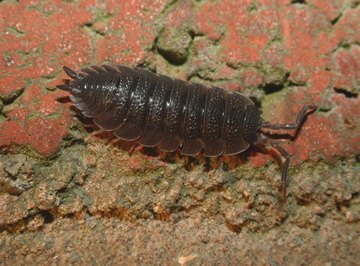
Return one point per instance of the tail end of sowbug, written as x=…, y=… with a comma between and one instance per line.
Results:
x=67, y=86
x=70, y=85
x=72, y=74
x=64, y=87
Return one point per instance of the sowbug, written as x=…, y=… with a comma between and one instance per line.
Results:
x=156, y=110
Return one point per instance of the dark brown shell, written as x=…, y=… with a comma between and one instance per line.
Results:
x=156, y=110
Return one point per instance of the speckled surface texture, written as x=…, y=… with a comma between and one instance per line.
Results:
x=71, y=195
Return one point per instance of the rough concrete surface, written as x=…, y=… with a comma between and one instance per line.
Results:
x=73, y=195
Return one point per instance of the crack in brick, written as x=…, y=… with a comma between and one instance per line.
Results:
x=173, y=55
x=11, y=97
x=167, y=7
x=344, y=45
x=303, y=2
x=90, y=27
x=272, y=88
x=355, y=4
x=336, y=19
x=348, y=94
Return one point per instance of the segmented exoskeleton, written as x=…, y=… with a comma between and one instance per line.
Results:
x=156, y=110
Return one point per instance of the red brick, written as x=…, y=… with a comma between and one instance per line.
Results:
x=346, y=29
x=243, y=38
x=250, y=78
x=319, y=81
x=299, y=75
x=239, y=39
x=331, y=9
x=136, y=30
x=29, y=124
x=346, y=68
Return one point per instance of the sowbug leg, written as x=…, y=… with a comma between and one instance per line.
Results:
x=285, y=168
x=285, y=165
x=304, y=111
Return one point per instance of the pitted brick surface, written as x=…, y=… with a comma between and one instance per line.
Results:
x=68, y=194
